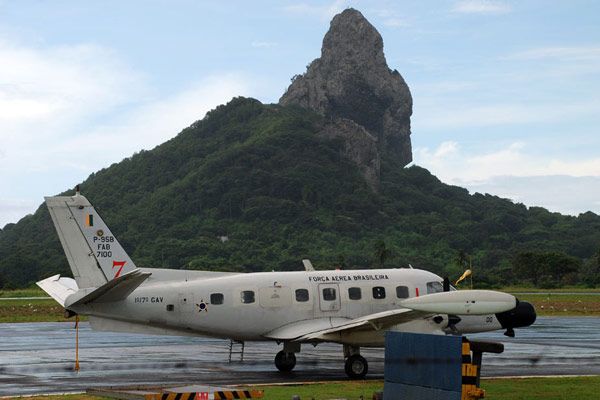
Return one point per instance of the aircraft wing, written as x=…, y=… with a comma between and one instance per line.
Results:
x=467, y=302
x=316, y=329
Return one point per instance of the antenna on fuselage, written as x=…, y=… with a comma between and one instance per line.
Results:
x=308, y=265
x=410, y=266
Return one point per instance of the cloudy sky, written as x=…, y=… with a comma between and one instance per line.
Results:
x=506, y=93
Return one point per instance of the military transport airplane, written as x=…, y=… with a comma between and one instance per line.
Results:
x=352, y=307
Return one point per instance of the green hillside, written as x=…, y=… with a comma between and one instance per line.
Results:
x=260, y=176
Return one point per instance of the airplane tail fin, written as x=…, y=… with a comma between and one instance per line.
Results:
x=94, y=254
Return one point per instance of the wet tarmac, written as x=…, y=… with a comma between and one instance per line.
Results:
x=39, y=358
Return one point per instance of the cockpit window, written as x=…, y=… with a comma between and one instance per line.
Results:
x=434, y=287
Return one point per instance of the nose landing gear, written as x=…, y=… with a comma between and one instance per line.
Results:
x=285, y=360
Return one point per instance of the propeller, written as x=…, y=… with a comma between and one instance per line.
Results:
x=452, y=319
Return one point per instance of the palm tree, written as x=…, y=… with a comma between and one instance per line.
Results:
x=460, y=258
x=381, y=253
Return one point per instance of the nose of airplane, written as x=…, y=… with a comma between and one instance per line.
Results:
x=522, y=315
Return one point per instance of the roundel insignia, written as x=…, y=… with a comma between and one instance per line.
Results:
x=202, y=306
x=100, y=232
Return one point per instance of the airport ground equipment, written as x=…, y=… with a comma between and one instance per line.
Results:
x=190, y=392
x=433, y=367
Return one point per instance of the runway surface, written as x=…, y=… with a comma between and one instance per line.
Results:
x=39, y=357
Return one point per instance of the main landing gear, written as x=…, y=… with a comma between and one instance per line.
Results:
x=356, y=366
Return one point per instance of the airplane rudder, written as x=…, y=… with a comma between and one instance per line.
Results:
x=110, y=255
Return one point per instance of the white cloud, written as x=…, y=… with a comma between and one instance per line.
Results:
x=455, y=114
x=44, y=92
x=392, y=18
x=15, y=209
x=558, y=193
x=564, y=53
x=518, y=173
x=264, y=44
x=324, y=12
x=446, y=148
x=68, y=111
x=153, y=123
x=481, y=7
x=455, y=164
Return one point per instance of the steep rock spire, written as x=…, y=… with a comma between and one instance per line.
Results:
x=351, y=81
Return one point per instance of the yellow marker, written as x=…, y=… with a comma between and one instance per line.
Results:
x=467, y=273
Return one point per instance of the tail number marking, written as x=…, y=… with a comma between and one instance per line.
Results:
x=146, y=299
x=118, y=264
x=103, y=243
x=104, y=239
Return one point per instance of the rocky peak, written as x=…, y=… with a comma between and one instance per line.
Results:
x=351, y=80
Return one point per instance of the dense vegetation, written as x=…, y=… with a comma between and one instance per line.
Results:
x=252, y=187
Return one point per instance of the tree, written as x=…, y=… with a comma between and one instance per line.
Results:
x=381, y=253
x=590, y=271
x=545, y=267
x=460, y=258
x=341, y=262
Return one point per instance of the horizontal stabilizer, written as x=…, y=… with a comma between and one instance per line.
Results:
x=462, y=302
x=58, y=288
x=114, y=290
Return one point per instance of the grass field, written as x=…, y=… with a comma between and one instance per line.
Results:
x=35, y=310
x=30, y=292
x=580, y=305
x=503, y=389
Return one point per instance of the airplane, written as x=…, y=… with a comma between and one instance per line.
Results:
x=350, y=307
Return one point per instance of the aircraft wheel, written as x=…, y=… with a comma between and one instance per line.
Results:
x=285, y=362
x=356, y=367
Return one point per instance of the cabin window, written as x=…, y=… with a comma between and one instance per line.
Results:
x=170, y=307
x=379, y=292
x=301, y=295
x=402, y=292
x=248, y=296
x=354, y=293
x=434, y=287
x=216, y=298
x=329, y=294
